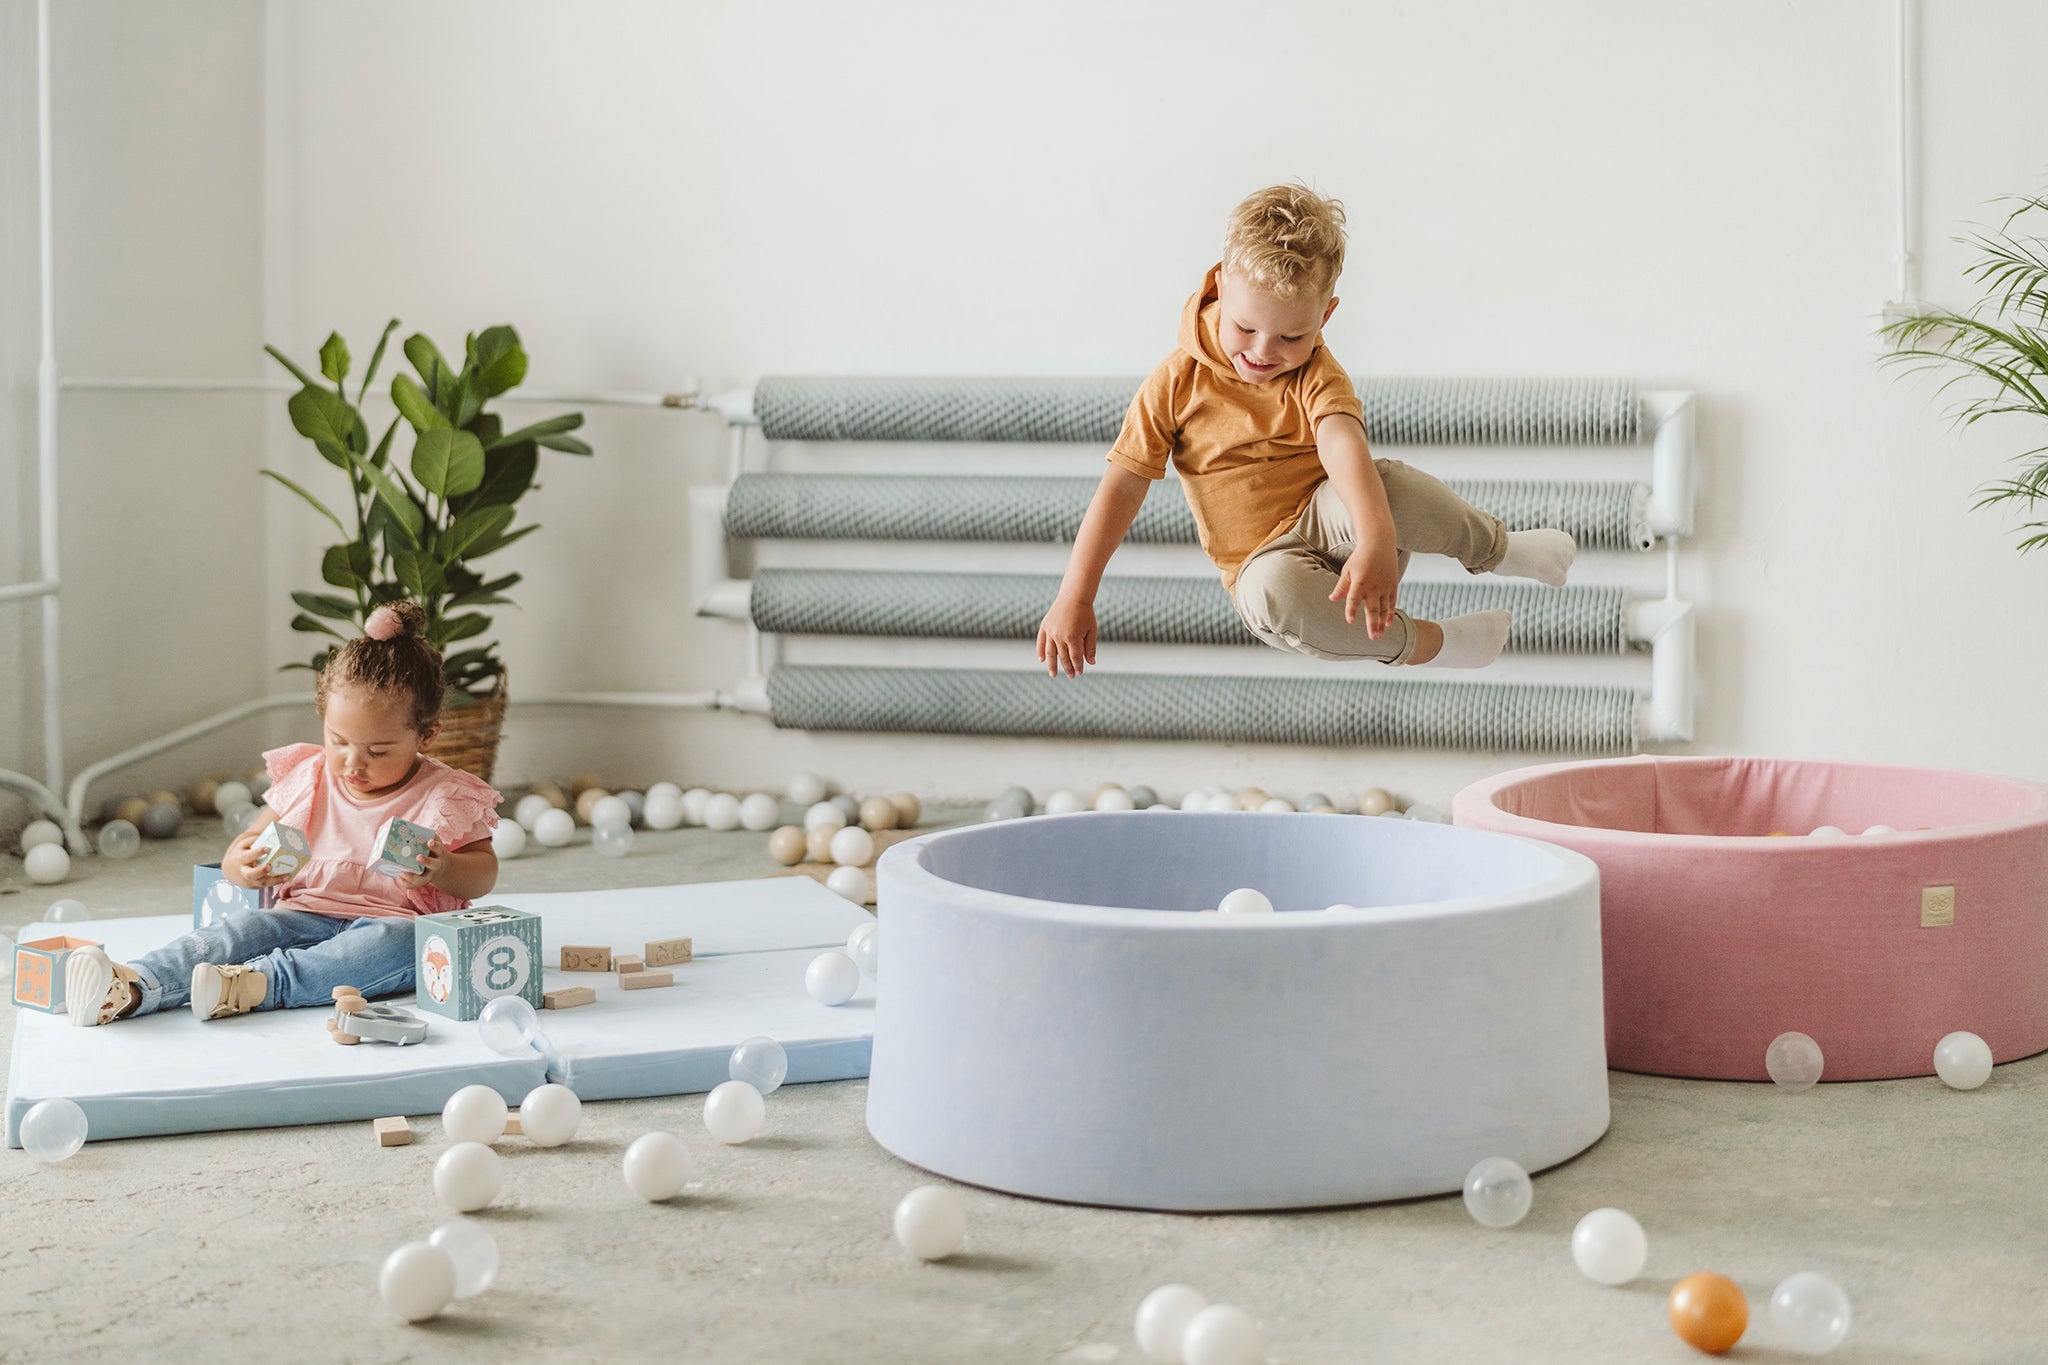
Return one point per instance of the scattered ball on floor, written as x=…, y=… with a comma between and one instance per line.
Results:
x=39, y=832
x=761, y=1062
x=1143, y=797
x=1809, y=1313
x=47, y=864
x=849, y=806
x=878, y=813
x=1498, y=1192
x=1222, y=1334
x=586, y=804
x=657, y=1166
x=832, y=978
x=1609, y=1246
x=417, y=1281
x=1277, y=805
x=1878, y=831
x=664, y=809
x=806, y=789
x=1114, y=798
x=908, y=809
x=1794, y=1061
x=200, y=796
x=824, y=815
x=1962, y=1060
x=555, y=828
x=472, y=1251
x=1375, y=801
x=818, y=843
x=787, y=845
x=734, y=1112
x=530, y=808
x=853, y=847
x=133, y=808
x=612, y=841
x=475, y=1113
x=235, y=819
x=931, y=1222
x=468, y=1176
x=508, y=1025
x=1245, y=901
x=1708, y=1311
x=1250, y=798
x=550, y=1115
x=1161, y=1324
x=636, y=807
x=611, y=810
x=508, y=840
x=53, y=1130
x=119, y=839
x=584, y=782
x=694, y=801
x=1827, y=832
x=862, y=943
x=760, y=811
x=228, y=795
x=1020, y=797
x=854, y=883
x=1220, y=801
x=1062, y=803
x=66, y=911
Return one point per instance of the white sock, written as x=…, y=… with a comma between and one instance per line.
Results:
x=1544, y=555
x=1472, y=641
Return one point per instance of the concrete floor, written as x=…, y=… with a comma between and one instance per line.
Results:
x=1930, y=1207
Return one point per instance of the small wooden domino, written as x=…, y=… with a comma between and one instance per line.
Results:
x=627, y=962
x=392, y=1132
x=567, y=998
x=584, y=958
x=667, y=952
x=512, y=1128
x=646, y=981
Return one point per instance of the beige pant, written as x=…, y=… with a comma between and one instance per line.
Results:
x=1283, y=590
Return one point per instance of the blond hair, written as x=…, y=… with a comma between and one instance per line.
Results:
x=1288, y=240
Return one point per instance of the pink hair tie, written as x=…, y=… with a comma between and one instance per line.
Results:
x=383, y=625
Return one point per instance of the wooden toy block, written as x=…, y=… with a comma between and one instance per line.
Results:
x=512, y=1128
x=646, y=981
x=667, y=952
x=628, y=962
x=281, y=850
x=392, y=1132
x=567, y=998
x=464, y=959
x=582, y=958
x=39, y=971
x=400, y=847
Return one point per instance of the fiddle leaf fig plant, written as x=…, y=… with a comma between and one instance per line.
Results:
x=417, y=530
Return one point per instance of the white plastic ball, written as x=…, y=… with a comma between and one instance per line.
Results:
x=1809, y=1313
x=611, y=810
x=468, y=1175
x=1162, y=1321
x=530, y=808
x=1222, y=1334
x=1019, y=799
x=694, y=801
x=555, y=828
x=53, y=1130
x=47, y=864
x=612, y=841
x=508, y=1025
x=508, y=840
x=1220, y=801
x=1277, y=805
x=734, y=1112
x=862, y=943
x=1826, y=832
x=1115, y=798
x=1063, y=803
x=760, y=811
x=475, y=1113
x=119, y=839
x=229, y=794
x=664, y=808
x=39, y=832
x=550, y=1115
x=824, y=815
x=1498, y=1192
x=806, y=789
x=853, y=847
x=1609, y=1246
x=657, y=1166
x=1962, y=1060
x=417, y=1281
x=667, y=791
x=1245, y=901
x=760, y=1062
x=66, y=911
x=472, y=1251
x=832, y=978
x=931, y=1222
x=854, y=883
x=1198, y=799
x=1160, y=806
x=1878, y=831
x=1794, y=1061
x=722, y=811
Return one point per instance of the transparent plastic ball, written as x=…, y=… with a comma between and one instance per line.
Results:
x=931, y=1222
x=163, y=820
x=832, y=978
x=555, y=828
x=53, y=1130
x=468, y=1176
x=1809, y=1313
x=694, y=801
x=1063, y=803
x=664, y=807
x=475, y=1113
x=230, y=794
x=66, y=911
x=806, y=789
x=1245, y=901
x=1222, y=1334
x=761, y=1063
x=734, y=1112
x=47, y=864
x=1115, y=798
x=1609, y=1246
x=759, y=811
x=824, y=815
x=235, y=819
x=862, y=944
x=508, y=840
x=610, y=810
x=853, y=847
x=1794, y=1061
x=722, y=812
x=854, y=883
x=657, y=1166
x=1162, y=1321
x=1498, y=1192
x=473, y=1252
x=550, y=1115
x=119, y=839
x=259, y=786
x=40, y=832
x=508, y=1025
x=530, y=808
x=417, y=1281
x=612, y=841
x=1962, y=1060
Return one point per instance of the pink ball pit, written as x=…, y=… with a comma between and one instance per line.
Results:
x=1717, y=937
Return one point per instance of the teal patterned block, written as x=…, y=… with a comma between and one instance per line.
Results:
x=214, y=895
x=464, y=959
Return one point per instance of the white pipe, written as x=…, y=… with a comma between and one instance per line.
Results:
x=730, y=598
x=1666, y=716
x=710, y=564
x=687, y=401
x=182, y=735
x=1671, y=463
x=46, y=414
x=17, y=592
x=45, y=802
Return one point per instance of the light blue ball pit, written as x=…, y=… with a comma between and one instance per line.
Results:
x=1054, y=1019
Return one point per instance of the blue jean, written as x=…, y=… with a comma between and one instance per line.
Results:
x=303, y=957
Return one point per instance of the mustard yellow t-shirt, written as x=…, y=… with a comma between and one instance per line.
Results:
x=1246, y=452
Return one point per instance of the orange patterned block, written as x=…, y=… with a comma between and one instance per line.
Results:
x=39, y=971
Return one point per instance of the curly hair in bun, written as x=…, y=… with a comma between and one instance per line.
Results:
x=392, y=659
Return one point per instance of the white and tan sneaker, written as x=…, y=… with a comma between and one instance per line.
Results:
x=97, y=989
x=218, y=992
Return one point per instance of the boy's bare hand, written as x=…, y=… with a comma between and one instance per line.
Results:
x=1369, y=579
x=238, y=865
x=1066, y=638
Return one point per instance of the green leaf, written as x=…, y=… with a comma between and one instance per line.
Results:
x=553, y=426
x=426, y=358
x=485, y=595
x=448, y=463
x=376, y=359
x=307, y=623
x=460, y=628
x=377, y=457
x=297, y=373
x=334, y=358
x=321, y=415
x=317, y=666
x=486, y=428
x=568, y=445
x=415, y=406
x=318, y=505
x=508, y=473
x=462, y=400
x=500, y=360
x=333, y=454
x=488, y=547
x=419, y=573
x=320, y=604
x=405, y=513
x=467, y=658
x=484, y=523
x=347, y=566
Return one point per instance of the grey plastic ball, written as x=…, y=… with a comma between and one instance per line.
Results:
x=849, y=807
x=637, y=804
x=1143, y=796
x=162, y=821
x=1020, y=797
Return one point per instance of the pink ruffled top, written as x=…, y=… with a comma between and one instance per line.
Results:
x=341, y=830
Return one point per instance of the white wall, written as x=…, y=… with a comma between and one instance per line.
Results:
x=1699, y=196
x=20, y=724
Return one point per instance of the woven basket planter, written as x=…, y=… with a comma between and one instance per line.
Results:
x=470, y=731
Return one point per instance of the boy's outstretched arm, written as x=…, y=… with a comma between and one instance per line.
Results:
x=1372, y=573
x=1066, y=638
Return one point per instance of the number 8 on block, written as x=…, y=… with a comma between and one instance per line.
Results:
x=465, y=959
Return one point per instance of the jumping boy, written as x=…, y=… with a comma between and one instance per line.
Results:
x=1308, y=528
